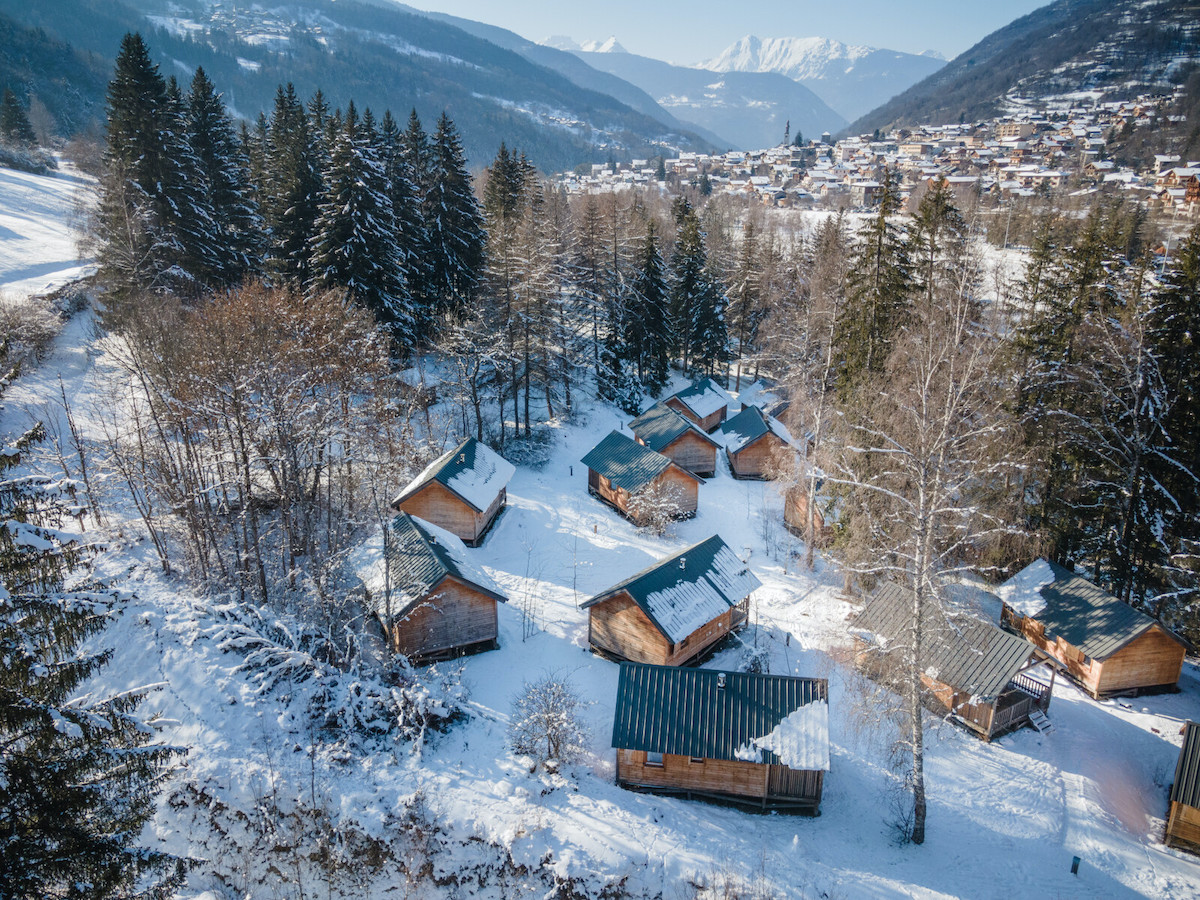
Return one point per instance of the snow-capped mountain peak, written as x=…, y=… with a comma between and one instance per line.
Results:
x=796, y=57
x=564, y=42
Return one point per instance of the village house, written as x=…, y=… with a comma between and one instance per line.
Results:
x=1183, y=816
x=795, y=513
x=619, y=468
x=462, y=491
x=971, y=668
x=436, y=604
x=756, y=740
x=756, y=445
x=673, y=611
x=676, y=437
x=1104, y=645
x=704, y=402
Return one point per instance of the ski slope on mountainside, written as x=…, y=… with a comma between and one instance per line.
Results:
x=1005, y=818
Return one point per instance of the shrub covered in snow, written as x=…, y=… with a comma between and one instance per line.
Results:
x=546, y=721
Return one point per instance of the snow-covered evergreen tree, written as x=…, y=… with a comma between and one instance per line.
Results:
x=697, y=298
x=237, y=226
x=406, y=209
x=78, y=773
x=15, y=130
x=292, y=189
x=454, y=229
x=354, y=245
x=646, y=338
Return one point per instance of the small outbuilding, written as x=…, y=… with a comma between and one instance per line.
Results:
x=676, y=437
x=755, y=444
x=971, y=668
x=462, y=491
x=757, y=740
x=795, y=513
x=437, y=604
x=704, y=402
x=1104, y=645
x=619, y=468
x=1183, y=817
x=673, y=611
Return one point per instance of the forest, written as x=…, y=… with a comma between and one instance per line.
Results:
x=291, y=297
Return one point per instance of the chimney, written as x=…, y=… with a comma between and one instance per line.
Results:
x=720, y=680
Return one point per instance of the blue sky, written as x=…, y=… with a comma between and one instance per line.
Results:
x=688, y=32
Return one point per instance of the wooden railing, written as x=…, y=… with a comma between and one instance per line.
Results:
x=1009, y=714
x=1034, y=688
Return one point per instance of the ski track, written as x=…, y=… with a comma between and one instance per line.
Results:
x=1005, y=818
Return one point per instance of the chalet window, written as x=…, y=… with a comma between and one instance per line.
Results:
x=696, y=760
x=654, y=759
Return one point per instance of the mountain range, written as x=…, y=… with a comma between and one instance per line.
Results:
x=852, y=79
x=377, y=53
x=1065, y=48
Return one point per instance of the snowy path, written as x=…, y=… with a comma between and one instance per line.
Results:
x=37, y=238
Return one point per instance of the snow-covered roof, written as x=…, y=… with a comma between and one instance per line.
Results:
x=704, y=397
x=472, y=470
x=1022, y=592
x=801, y=741
x=688, y=590
x=749, y=425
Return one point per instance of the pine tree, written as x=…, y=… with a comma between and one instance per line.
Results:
x=406, y=208
x=697, y=305
x=223, y=166
x=879, y=295
x=747, y=308
x=15, y=130
x=292, y=189
x=77, y=775
x=647, y=338
x=453, y=224
x=354, y=246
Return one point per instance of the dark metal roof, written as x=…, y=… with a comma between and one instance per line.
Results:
x=469, y=457
x=958, y=649
x=749, y=425
x=660, y=425
x=665, y=709
x=419, y=557
x=1090, y=618
x=626, y=463
x=1186, y=789
x=688, y=589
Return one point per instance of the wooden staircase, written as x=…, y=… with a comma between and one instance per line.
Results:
x=1039, y=720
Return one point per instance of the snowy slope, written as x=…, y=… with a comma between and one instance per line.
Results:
x=258, y=769
x=37, y=235
x=853, y=79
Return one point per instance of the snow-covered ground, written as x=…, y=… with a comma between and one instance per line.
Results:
x=1005, y=818
x=37, y=239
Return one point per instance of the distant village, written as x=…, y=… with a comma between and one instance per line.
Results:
x=1044, y=148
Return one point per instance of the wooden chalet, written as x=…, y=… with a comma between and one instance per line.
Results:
x=619, y=467
x=971, y=668
x=795, y=514
x=1104, y=645
x=704, y=402
x=1183, y=817
x=755, y=444
x=440, y=605
x=673, y=611
x=676, y=437
x=758, y=740
x=462, y=491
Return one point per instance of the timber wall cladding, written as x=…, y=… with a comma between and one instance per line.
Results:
x=454, y=615
x=618, y=626
x=1152, y=659
x=717, y=776
x=434, y=503
x=690, y=451
x=691, y=490
x=757, y=459
x=1183, y=826
x=707, y=424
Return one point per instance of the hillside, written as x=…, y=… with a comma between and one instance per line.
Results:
x=1067, y=47
x=274, y=803
x=852, y=79
x=379, y=55
x=748, y=109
